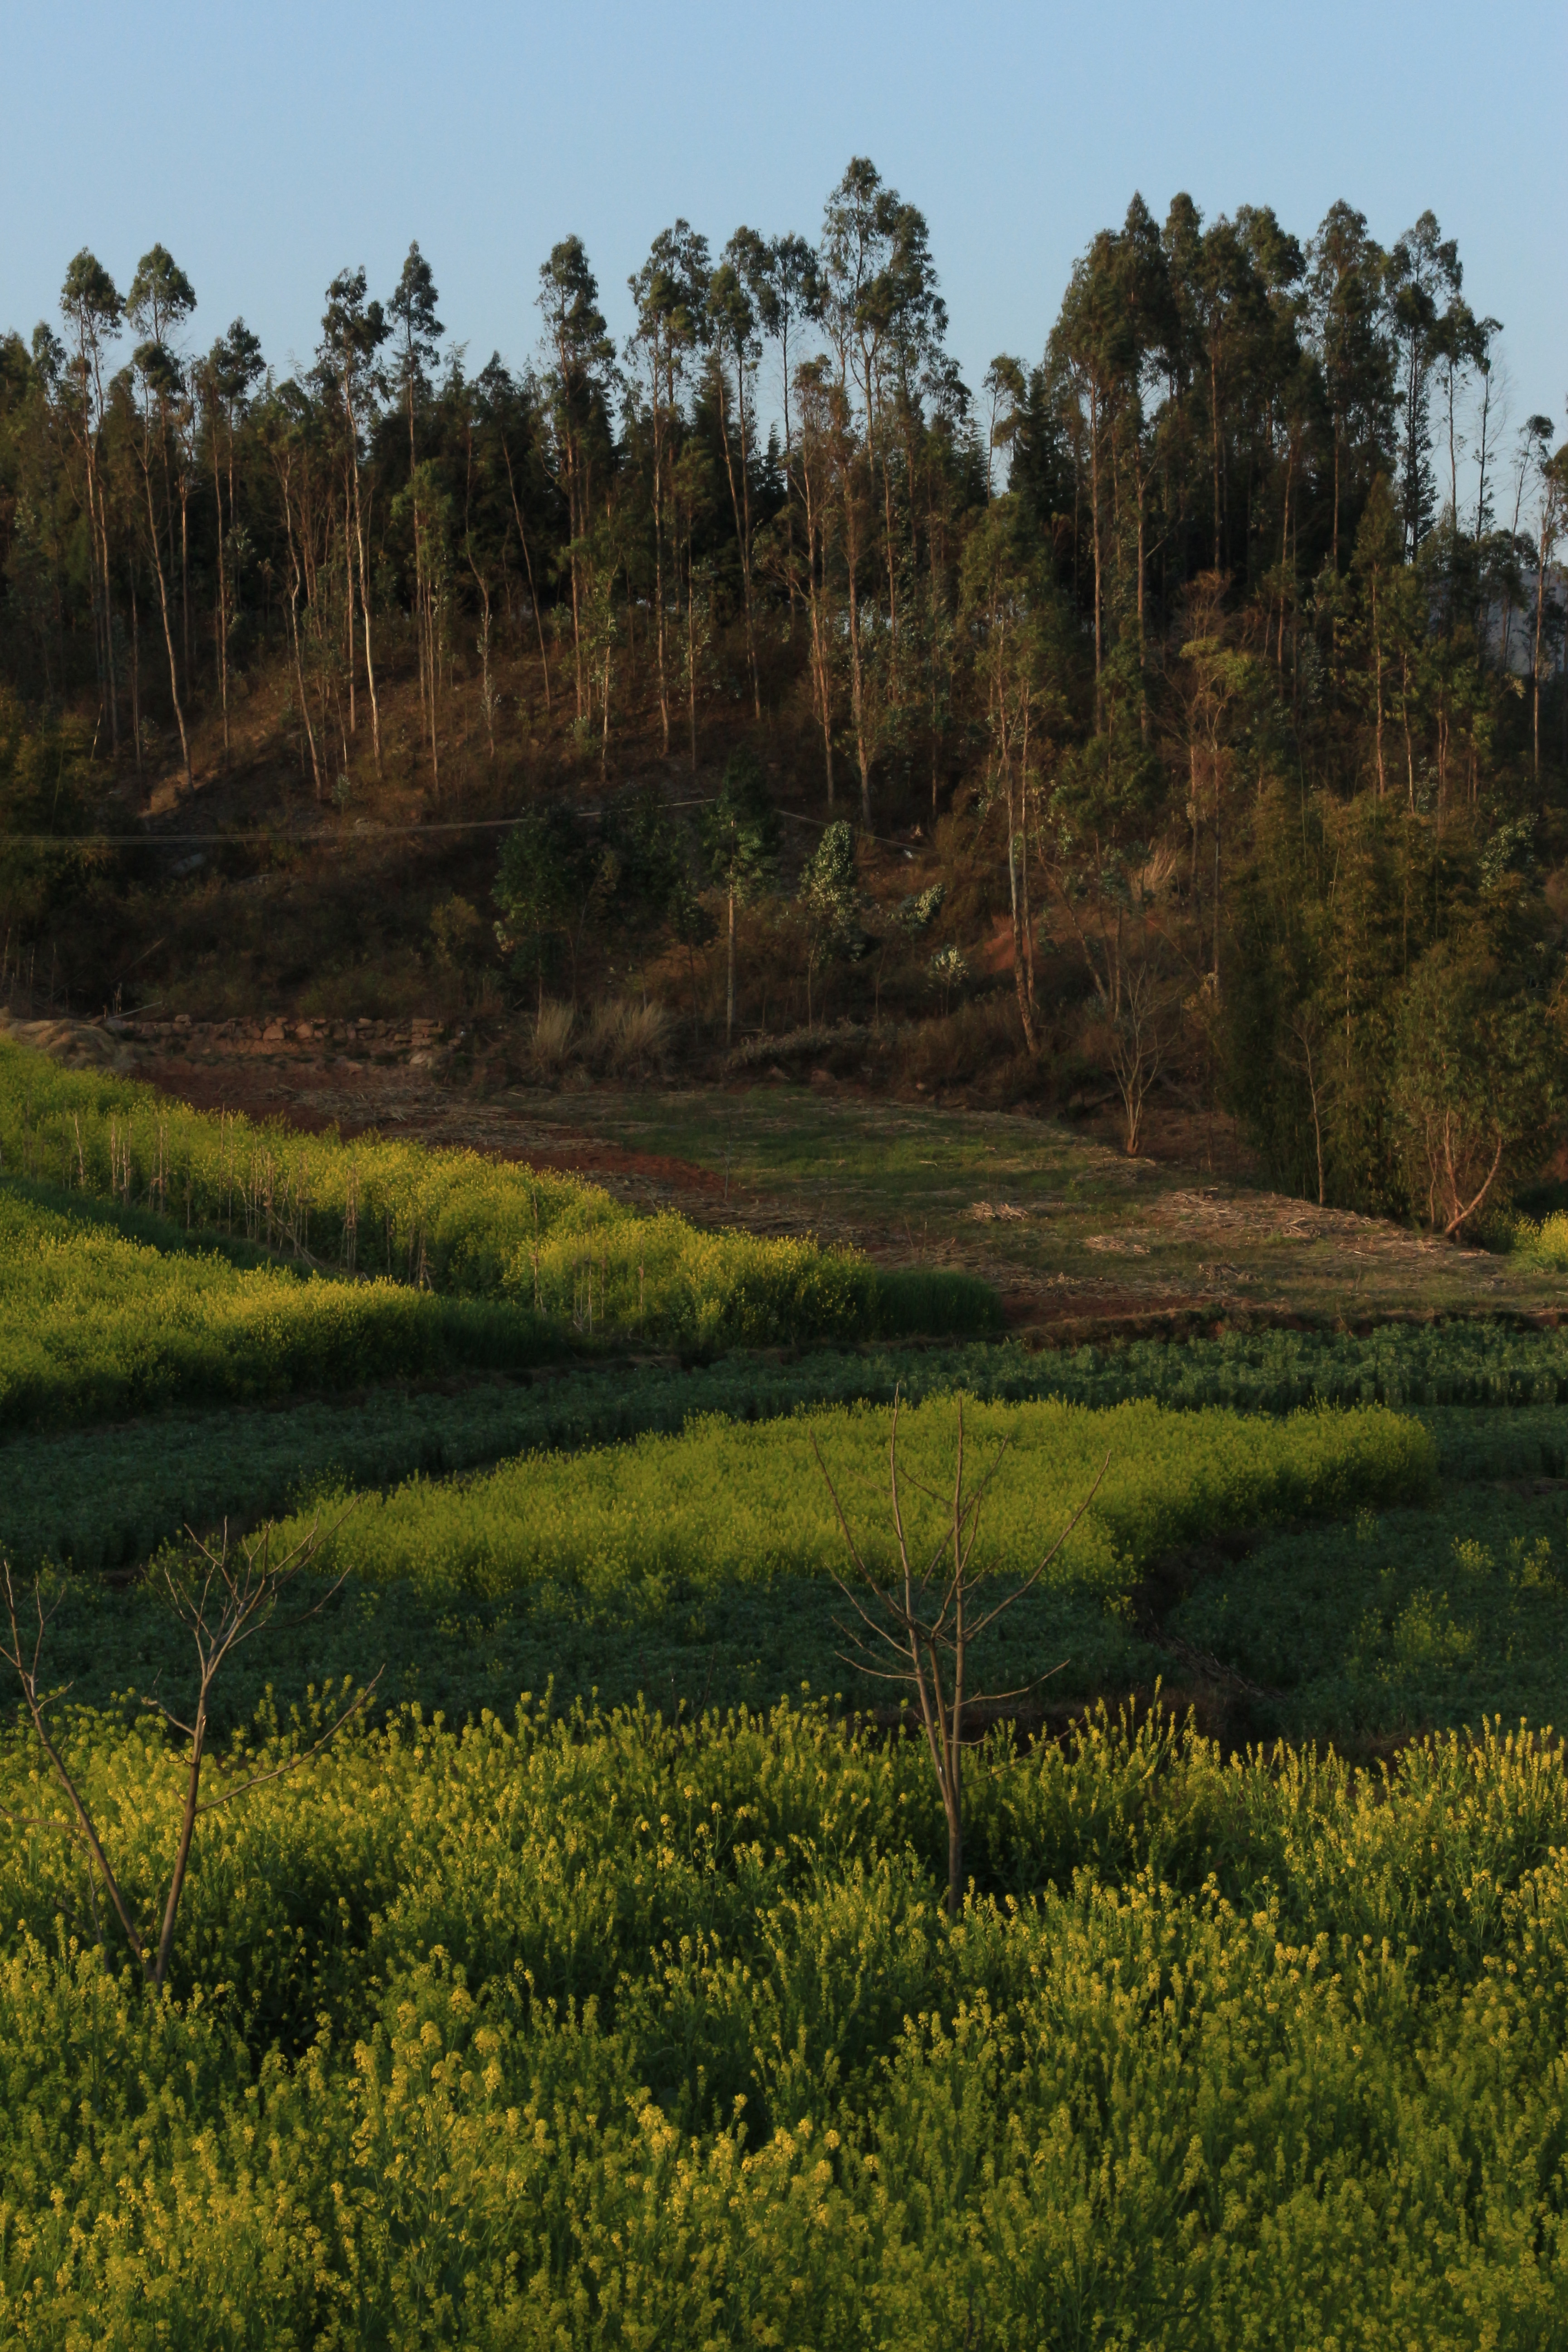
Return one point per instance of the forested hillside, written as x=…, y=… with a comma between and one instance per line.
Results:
x=1176, y=714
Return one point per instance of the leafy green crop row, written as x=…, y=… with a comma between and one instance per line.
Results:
x=1401, y=1364
x=460, y=1223
x=622, y=2034
x=1364, y=1629
x=92, y=1326
x=1389, y=1623
x=110, y=1497
x=726, y=1502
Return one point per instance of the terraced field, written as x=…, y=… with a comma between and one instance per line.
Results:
x=595, y=1984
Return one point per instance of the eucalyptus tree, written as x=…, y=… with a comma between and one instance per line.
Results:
x=1276, y=399
x=786, y=285
x=415, y=332
x=1004, y=612
x=160, y=299
x=227, y=378
x=883, y=315
x=511, y=412
x=284, y=431
x=1221, y=305
x=156, y=377
x=1424, y=270
x=952, y=478
x=670, y=291
x=732, y=330
x=1005, y=387
x=486, y=509
x=1550, y=474
x=1092, y=352
x=352, y=332
x=857, y=245
x=825, y=442
x=92, y=308
x=1347, y=326
x=580, y=353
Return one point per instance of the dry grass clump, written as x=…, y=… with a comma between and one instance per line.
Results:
x=976, y=1041
x=619, y=1039
x=553, y=1043
x=627, y=1040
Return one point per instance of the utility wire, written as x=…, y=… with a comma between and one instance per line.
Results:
x=347, y=840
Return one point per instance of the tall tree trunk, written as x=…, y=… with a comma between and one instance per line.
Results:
x=135, y=683
x=1377, y=681
x=660, y=619
x=1099, y=590
x=185, y=573
x=815, y=544
x=222, y=596
x=168, y=632
x=365, y=611
x=730, y=997
x=528, y=565
x=742, y=534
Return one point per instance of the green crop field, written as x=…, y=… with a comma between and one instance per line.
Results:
x=460, y=1223
x=610, y=2032
x=631, y=2012
x=108, y=1498
x=93, y=1326
x=725, y=1503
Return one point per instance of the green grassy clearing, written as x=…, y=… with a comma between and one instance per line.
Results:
x=1097, y=1232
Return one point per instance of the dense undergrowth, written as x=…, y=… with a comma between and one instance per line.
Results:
x=617, y=2032
x=461, y=1225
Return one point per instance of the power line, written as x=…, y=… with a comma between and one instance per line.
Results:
x=360, y=833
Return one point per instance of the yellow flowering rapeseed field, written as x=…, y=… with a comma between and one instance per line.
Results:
x=620, y=2033
x=727, y=1502
x=456, y=1223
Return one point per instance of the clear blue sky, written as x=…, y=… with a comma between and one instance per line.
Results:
x=270, y=146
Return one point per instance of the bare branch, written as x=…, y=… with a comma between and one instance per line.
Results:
x=29, y=1682
x=1040, y=1569
x=297, y=1763
x=1456, y=1223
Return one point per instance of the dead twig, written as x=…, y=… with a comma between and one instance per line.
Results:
x=926, y=1626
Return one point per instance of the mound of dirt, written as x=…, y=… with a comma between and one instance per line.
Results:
x=80, y=1045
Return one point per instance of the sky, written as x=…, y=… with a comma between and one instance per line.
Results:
x=270, y=147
